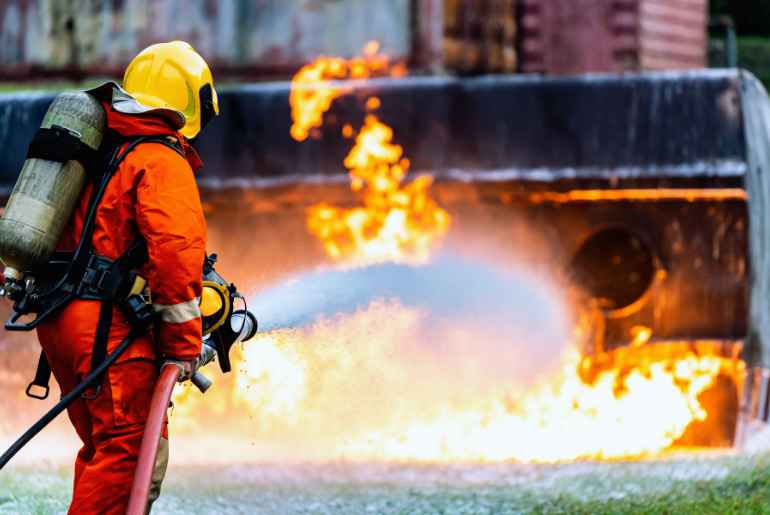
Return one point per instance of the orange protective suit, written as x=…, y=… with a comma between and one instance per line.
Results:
x=153, y=194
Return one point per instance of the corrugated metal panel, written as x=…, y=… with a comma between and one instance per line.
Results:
x=566, y=37
x=531, y=37
x=245, y=35
x=672, y=34
x=578, y=36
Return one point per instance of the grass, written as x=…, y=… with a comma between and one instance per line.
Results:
x=34, y=492
x=754, y=55
x=716, y=485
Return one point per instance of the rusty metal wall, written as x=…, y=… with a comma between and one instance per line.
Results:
x=672, y=33
x=244, y=36
x=509, y=152
x=576, y=36
x=274, y=37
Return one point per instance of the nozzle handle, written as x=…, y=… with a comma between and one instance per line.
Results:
x=201, y=382
x=208, y=353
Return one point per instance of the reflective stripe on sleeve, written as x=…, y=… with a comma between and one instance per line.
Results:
x=178, y=313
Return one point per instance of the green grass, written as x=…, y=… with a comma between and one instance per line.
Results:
x=34, y=492
x=721, y=485
x=754, y=55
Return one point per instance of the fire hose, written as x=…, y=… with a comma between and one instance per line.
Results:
x=140, y=491
x=161, y=398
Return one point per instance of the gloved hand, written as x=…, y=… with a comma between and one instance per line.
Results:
x=186, y=367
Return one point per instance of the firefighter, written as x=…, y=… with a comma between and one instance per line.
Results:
x=167, y=93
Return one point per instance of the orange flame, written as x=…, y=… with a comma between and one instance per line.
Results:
x=378, y=385
x=369, y=386
x=313, y=89
x=398, y=222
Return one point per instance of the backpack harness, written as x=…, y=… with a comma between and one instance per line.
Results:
x=84, y=274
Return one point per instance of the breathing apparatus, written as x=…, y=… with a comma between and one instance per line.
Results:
x=65, y=152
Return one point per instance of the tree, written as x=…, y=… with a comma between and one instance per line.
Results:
x=752, y=17
x=718, y=7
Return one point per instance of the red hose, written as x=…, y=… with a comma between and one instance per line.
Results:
x=140, y=491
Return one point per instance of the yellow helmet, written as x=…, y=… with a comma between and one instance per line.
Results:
x=174, y=76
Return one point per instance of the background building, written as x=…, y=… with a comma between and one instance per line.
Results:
x=271, y=38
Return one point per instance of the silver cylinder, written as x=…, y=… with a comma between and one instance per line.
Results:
x=244, y=324
x=46, y=192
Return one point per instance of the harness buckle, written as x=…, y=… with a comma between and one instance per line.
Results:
x=103, y=275
x=90, y=277
x=96, y=278
x=32, y=388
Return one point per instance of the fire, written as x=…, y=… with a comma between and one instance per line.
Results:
x=394, y=382
x=397, y=222
x=562, y=420
x=313, y=88
x=377, y=385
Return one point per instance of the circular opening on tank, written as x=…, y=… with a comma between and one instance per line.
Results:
x=615, y=267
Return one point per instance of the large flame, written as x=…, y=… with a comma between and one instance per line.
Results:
x=398, y=221
x=390, y=383
x=393, y=382
x=313, y=88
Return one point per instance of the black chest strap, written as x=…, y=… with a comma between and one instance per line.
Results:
x=105, y=281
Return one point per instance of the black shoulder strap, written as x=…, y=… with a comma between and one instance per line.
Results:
x=168, y=141
x=118, y=156
x=99, y=351
x=136, y=254
x=41, y=380
x=124, y=262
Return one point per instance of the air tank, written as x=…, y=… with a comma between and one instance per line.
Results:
x=46, y=192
